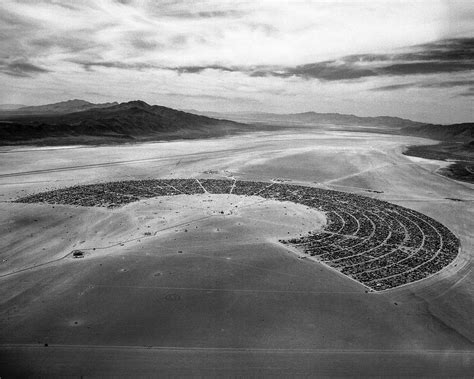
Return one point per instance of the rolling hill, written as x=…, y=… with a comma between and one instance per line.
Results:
x=456, y=132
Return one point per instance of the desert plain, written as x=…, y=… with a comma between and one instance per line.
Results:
x=199, y=285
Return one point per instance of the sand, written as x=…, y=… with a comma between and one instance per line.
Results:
x=175, y=285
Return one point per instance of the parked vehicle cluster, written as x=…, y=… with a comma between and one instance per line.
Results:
x=377, y=243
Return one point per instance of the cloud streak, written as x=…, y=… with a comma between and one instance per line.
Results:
x=468, y=93
x=450, y=56
x=21, y=68
x=441, y=84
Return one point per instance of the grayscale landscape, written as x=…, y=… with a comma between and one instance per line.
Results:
x=257, y=217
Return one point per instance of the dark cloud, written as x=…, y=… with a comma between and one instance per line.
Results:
x=433, y=67
x=145, y=44
x=367, y=58
x=267, y=29
x=89, y=65
x=441, y=84
x=394, y=87
x=143, y=40
x=198, y=69
x=447, y=56
x=228, y=13
x=461, y=49
x=322, y=70
x=468, y=93
x=449, y=84
x=21, y=68
x=12, y=21
x=179, y=40
x=62, y=4
x=206, y=14
x=65, y=43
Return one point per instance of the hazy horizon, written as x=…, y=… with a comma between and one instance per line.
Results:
x=369, y=58
x=191, y=110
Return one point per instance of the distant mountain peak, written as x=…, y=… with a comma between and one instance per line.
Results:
x=74, y=101
x=71, y=102
x=137, y=103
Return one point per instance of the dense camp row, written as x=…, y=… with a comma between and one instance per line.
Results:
x=379, y=244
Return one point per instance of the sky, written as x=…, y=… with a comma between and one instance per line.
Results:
x=411, y=59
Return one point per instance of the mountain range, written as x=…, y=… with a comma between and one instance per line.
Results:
x=312, y=118
x=78, y=121
x=104, y=123
x=396, y=125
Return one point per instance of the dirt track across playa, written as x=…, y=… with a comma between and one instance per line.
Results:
x=198, y=285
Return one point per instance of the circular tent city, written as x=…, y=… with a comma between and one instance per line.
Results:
x=379, y=244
